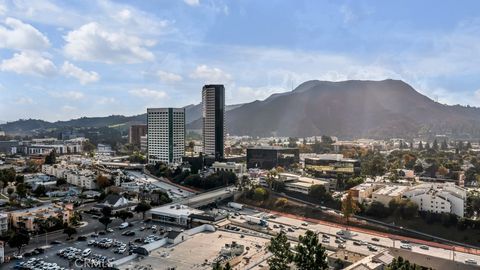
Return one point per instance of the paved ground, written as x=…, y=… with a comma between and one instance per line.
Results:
x=50, y=253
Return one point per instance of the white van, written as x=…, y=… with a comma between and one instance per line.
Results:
x=86, y=252
x=123, y=225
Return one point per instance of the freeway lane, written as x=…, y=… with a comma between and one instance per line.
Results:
x=457, y=253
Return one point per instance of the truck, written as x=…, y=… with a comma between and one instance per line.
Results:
x=236, y=206
x=256, y=221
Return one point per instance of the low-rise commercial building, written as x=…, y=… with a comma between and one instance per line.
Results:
x=439, y=198
x=302, y=184
x=237, y=168
x=174, y=214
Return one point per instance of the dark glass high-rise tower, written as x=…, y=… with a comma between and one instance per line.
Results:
x=213, y=113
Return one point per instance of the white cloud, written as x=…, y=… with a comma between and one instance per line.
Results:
x=247, y=94
x=168, y=77
x=211, y=75
x=70, y=70
x=93, y=43
x=29, y=63
x=68, y=108
x=3, y=9
x=192, y=2
x=24, y=101
x=148, y=93
x=71, y=95
x=14, y=34
x=105, y=100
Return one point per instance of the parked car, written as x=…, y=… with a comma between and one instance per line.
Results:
x=424, y=247
x=406, y=246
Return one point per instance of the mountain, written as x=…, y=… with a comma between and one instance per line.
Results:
x=348, y=109
x=389, y=108
x=33, y=126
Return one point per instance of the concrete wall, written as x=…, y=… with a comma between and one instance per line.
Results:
x=430, y=261
x=199, y=229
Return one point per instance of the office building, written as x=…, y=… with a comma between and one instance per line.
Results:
x=135, y=134
x=213, y=113
x=165, y=135
x=332, y=166
x=269, y=157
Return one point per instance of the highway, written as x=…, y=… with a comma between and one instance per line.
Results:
x=458, y=254
x=175, y=192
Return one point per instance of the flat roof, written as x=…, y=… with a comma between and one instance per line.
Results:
x=391, y=190
x=271, y=147
x=176, y=209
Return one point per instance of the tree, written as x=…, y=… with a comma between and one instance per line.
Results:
x=260, y=194
x=69, y=231
x=444, y=145
x=21, y=190
x=377, y=209
x=40, y=191
x=353, y=182
x=61, y=181
x=282, y=256
x=349, y=207
x=435, y=144
x=18, y=240
x=51, y=158
x=106, y=211
x=420, y=146
x=124, y=215
x=142, y=207
x=310, y=254
x=105, y=221
x=103, y=181
x=319, y=193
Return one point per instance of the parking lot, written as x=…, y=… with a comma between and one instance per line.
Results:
x=199, y=252
x=104, y=247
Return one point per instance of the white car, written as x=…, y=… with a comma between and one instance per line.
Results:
x=86, y=252
x=470, y=261
x=406, y=246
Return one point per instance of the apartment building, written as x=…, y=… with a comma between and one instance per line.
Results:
x=388, y=193
x=29, y=218
x=3, y=223
x=439, y=198
x=72, y=174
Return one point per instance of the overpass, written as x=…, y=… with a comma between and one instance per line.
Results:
x=208, y=197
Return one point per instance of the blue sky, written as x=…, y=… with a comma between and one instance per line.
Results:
x=62, y=60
